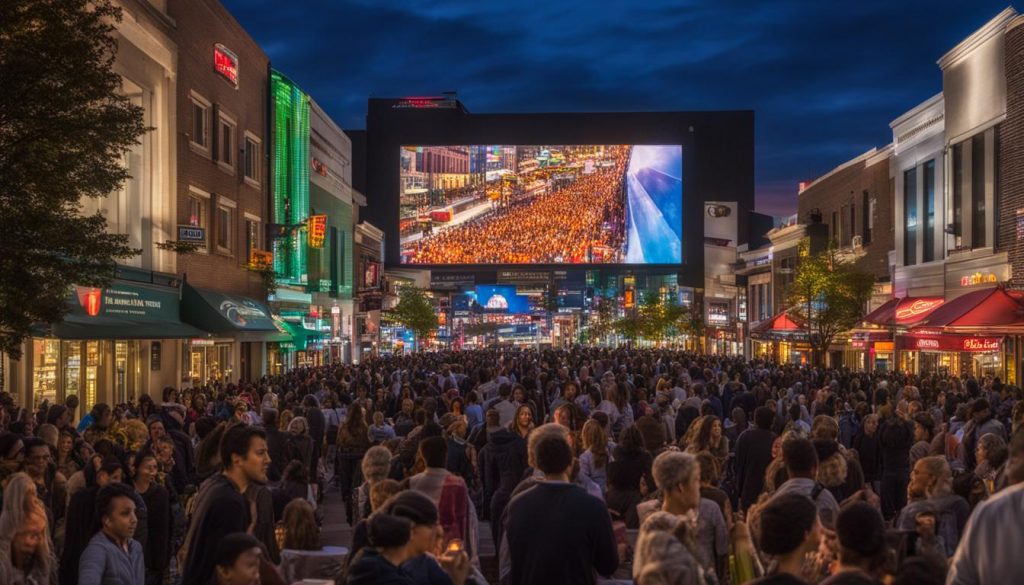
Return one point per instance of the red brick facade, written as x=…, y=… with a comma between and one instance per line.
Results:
x=202, y=24
x=844, y=198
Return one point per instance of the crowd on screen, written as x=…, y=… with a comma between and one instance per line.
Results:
x=561, y=226
x=581, y=465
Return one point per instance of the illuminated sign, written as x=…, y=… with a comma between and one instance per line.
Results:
x=261, y=259
x=917, y=307
x=419, y=103
x=950, y=343
x=225, y=63
x=628, y=299
x=317, y=226
x=319, y=167
x=718, y=313
x=978, y=278
x=90, y=299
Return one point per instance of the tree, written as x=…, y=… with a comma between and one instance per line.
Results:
x=64, y=130
x=415, y=311
x=829, y=296
x=601, y=322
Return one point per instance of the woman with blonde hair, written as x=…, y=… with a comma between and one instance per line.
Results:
x=375, y=467
x=595, y=458
x=25, y=555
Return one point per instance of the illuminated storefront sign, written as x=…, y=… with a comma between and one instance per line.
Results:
x=978, y=278
x=290, y=203
x=317, y=230
x=950, y=343
x=917, y=307
x=261, y=259
x=225, y=63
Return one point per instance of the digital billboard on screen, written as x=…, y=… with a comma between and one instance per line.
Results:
x=541, y=204
x=501, y=299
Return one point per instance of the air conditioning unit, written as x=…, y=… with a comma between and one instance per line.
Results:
x=857, y=242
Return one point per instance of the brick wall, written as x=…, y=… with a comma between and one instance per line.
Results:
x=1011, y=154
x=846, y=187
x=200, y=25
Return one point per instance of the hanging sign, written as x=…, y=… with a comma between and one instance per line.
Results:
x=225, y=63
x=317, y=230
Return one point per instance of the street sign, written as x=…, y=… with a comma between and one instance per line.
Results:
x=191, y=233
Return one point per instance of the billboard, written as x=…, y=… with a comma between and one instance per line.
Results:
x=501, y=299
x=541, y=204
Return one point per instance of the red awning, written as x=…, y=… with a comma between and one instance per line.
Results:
x=781, y=325
x=906, y=312
x=994, y=307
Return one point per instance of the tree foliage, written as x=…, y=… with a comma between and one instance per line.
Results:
x=414, y=311
x=64, y=130
x=828, y=296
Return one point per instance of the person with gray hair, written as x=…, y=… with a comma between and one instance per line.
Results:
x=375, y=466
x=663, y=552
x=677, y=476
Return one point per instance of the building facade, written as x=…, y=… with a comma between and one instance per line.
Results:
x=89, y=355
x=222, y=188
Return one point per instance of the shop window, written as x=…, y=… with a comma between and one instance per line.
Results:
x=45, y=365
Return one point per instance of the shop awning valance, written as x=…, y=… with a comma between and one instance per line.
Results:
x=223, y=313
x=905, y=312
x=123, y=310
x=944, y=342
x=978, y=310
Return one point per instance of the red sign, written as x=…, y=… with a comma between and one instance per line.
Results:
x=950, y=343
x=91, y=299
x=917, y=307
x=319, y=167
x=225, y=63
x=317, y=227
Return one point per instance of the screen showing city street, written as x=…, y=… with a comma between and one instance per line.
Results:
x=541, y=204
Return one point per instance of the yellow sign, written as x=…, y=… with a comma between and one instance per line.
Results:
x=316, y=227
x=979, y=278
x=261, y=258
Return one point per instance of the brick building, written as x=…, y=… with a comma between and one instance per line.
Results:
x=222, y=184
x=855, y=203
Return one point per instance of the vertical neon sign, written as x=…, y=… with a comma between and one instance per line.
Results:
x=291, y=175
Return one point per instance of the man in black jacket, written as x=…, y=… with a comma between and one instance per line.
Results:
x=221, y=509
x=753, y=455
x=895, y=437
x=277, y=444
x=557, y=532
x=502, y=463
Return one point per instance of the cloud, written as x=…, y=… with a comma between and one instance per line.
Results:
x=824, y=79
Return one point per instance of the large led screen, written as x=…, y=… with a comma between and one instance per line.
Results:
x=546, y=204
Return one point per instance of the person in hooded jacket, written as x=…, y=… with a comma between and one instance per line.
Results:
x=502, y=463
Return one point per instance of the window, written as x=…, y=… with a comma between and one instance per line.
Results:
x=196, y=211
x=226, y=142
x=224, y=228
x=252, y=236
x=958, y=193
x=200, y=122
x=866, y=221
x=910, y=217
x=929, y=211
x=251, y=162
x=978, y=191
x=836, y=232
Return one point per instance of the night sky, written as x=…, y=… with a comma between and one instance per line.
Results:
x=824, y=78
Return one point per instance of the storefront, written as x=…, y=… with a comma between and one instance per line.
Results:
x=114, y=345
x=780, y=339
x=933, y=352
x=239, y=329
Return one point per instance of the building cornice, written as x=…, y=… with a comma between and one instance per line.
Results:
x=989, y=30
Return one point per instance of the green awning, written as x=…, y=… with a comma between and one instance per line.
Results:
x=300, y=335
x=223, y=313
x=124, y=310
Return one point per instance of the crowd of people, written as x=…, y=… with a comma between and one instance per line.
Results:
x=580, y=465
x=564, y=225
